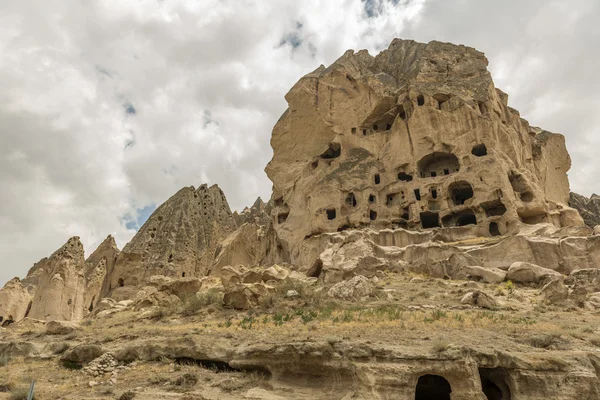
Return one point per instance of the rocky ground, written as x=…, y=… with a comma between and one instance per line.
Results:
x=298, y=342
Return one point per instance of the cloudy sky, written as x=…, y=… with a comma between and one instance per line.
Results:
x=108, y=107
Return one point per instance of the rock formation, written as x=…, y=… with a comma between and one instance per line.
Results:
x=588, y=208
x=416, y=137
x=179, y=239
x=15, y=301
x=99, y=268
x=60, y=292
x=259, y=213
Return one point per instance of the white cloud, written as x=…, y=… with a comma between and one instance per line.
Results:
x=204, y=83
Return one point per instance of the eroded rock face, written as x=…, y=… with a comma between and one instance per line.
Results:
x=416, y=137
x=589, y=208
x=15, y=301
x=60, y=292
x=99, y=268
x=259, y=213
x=178, y=240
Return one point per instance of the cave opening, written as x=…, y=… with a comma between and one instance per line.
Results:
x=377, y=179
x=417, y=194
x=281, y=218
x=420, y=100
x=372, y=198
x=494, y=230
x=372, y=215
x=334, y=150
x=493, y=383
x=433, y=387
x=437, y=163
x=430, y=220
x=403, y=176
x=351, y=200
x=460, y=192
x=479, y=150
x=121, y=282
x=331, y=214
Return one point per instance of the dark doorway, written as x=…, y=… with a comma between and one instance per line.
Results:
x=430, y=220
x=494, y=231
x=121, y=282
x=331, y=213
x=433, y=387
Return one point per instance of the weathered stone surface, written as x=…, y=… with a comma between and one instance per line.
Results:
x=361, y=137
x=259, y=214
x=15, y=301
x=356, y=288
x=99, y=268
x=60, y=292
x=178, y=240
x=479, y=298
x=523, y=272
x=82, y=354
x=244, y=296
x=554, y=291
x=589, y=208
x=61, y=327
x=490, y=275
x=247, y=246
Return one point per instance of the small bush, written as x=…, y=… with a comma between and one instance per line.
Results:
x=186, y=380
x=193, y=304
x=4, y=360
x=19, y=394
x=440, y=345
x=544, y=341
x=595, y=340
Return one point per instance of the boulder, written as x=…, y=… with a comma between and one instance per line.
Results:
x=245, y=296
x=14, y=301
x=554, y=291
x=356, y=288
x=82, y=354
x=275, y=273
x=181, y=287
x=527, y=273
x=479, y=298
x=490, y=275
x=232, y=275
x=61, y=327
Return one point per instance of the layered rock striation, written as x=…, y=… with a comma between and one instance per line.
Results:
x=416, y=137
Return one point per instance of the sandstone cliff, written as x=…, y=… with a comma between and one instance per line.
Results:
x=178, y=240
x=588, y=208
x=416, y=137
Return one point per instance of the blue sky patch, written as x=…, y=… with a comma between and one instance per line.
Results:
x=142, y=215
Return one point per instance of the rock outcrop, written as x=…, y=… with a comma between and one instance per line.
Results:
x=589, y=208
x=99, y=268
x=15, y=302
x=179, y=239
x=259, y=213
x=60, y=292
x=415, y=137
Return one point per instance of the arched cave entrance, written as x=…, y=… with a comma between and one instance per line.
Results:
x=493, y=383
x=460, y=192
x=438, y=163
x=432, y=387
x=334, y=150
x=121, y=282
